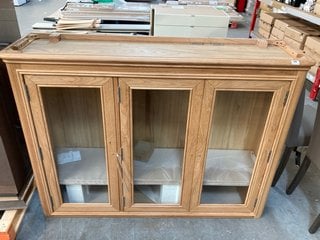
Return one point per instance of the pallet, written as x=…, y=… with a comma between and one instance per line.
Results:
x=11, y=219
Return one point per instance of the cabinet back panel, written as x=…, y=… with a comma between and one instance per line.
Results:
x=239, y=119
x=74, y=116
x=160, y=116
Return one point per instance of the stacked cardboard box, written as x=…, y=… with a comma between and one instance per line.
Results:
x=266, y=22
x=281, y=25
x=295, y=36
x=312, y=50
x=292, y=30
x=298, y=34
x=265, y=7
x=264, y=29
x=316, y=9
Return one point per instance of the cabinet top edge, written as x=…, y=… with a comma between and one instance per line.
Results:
x=152, y=50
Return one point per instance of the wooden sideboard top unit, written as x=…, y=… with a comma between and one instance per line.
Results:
x=217, y=51
x=153, y=126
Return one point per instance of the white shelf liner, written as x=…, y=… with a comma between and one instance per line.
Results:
x=90, y=170
x=163, y=167
x=223, y=167
x=228, y=167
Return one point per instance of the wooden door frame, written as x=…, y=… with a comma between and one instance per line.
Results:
x=33, y=82
x=280, y=90
x=127, y=84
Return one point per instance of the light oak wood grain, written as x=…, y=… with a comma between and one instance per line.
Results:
x=160, y=117
x=74, y=117
x=239, y=119
x=151, y=50
x=193, y=94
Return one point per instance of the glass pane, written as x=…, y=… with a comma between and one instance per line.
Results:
x=74, y=119
x=237, y=126
x=159, y=126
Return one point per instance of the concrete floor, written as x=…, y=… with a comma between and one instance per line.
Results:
x=285, y=217
x=34, y=11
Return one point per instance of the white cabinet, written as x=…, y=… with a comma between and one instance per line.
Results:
x=189, y=21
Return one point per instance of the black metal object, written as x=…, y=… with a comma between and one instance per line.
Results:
x=283, y=162
x=298, y=177
x=315, y=225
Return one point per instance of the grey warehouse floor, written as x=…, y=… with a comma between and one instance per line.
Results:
x=285, y=217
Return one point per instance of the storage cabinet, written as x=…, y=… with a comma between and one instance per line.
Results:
x=189, y=21
x=143, y=126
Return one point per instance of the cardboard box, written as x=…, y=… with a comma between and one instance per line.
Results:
x=294, y=44
x=311, y=54
x=282, y=24
x=271, y=17
x=316, y=9
x=273, y=37
x=313, y=43
x=277, y=33
x=300, y=33
x=264, y=33
x=265, y=26
x=265, y=7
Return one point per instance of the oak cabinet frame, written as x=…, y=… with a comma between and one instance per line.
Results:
x=163, y=109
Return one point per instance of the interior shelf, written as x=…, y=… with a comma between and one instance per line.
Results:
x=223, y=167
x=228, y=167
x=90, y=170
x=163, y=167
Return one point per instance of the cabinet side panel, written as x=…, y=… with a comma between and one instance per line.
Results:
x=16, y=80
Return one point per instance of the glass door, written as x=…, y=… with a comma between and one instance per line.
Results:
x=240, y=129
x=158, y=121
x=76, y=136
